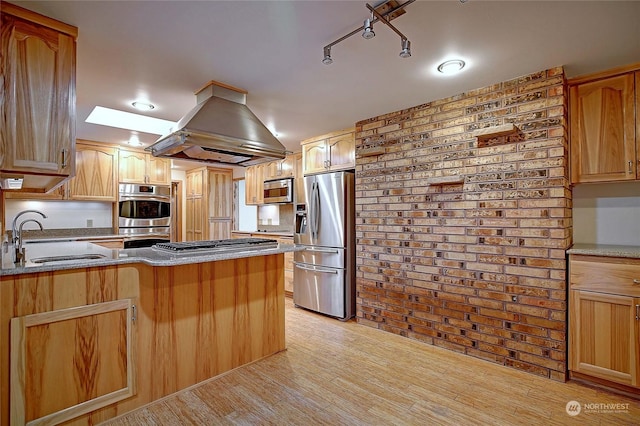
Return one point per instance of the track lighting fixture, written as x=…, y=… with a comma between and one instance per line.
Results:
x=368, y=29
x=384, y=13
x=406, y=48
x=327, y=56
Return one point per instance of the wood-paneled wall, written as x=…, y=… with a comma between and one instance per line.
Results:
x=192, y=322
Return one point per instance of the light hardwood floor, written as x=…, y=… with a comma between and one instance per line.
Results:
x=336, y=373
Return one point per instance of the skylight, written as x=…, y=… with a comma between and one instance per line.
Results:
x=129, y=121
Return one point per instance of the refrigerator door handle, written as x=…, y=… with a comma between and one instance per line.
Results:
x=321, y=250
x=316, y=208
x=311, y=210
x=315, y=268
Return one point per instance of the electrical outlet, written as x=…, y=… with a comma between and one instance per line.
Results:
x=89, y=223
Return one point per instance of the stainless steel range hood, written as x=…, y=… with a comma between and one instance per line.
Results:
x=220, y=129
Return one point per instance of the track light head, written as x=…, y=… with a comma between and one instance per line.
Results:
x=368, y=30
x=406, y=48
x=327, y=56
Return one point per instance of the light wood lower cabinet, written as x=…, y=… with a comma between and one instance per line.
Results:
x=288, y=258
x=69, y=362
x=604, y=319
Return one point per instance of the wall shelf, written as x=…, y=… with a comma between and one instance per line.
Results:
x=495, y=131
x=445, y=180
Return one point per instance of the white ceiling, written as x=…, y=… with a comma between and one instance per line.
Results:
x=165, y=50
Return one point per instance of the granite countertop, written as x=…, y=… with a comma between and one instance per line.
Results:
x=605, y=250
x=105, y=256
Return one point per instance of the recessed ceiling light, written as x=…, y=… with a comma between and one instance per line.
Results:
x=451, y=67
x=142, y=106
x=134, y=140
x=129, y=121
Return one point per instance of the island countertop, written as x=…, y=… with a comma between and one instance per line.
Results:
x=105, y=256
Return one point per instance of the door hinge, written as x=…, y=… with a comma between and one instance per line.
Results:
x=134, y=313
x=637, y=312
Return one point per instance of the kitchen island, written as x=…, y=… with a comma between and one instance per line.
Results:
x=101, y=332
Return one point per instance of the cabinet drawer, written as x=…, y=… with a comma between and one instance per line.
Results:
x=614, y=275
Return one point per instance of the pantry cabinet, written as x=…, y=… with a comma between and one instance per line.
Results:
x=209, y=204
x=604, y=319
x=605, y=145
x=38, y=98
x=144, y=168
x=330, y=152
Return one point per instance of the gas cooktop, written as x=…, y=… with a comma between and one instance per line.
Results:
x=217, y=246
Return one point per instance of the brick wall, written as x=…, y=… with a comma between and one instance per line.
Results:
x=476, y=266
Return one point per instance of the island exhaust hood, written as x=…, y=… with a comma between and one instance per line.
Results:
x=220, y=129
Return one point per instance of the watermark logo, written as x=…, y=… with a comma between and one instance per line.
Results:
x=573, y=408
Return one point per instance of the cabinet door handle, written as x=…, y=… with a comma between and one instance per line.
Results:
x=65, y=157
x=630, y=167
x=636, y=281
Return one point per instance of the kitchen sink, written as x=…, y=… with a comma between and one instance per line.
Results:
x=49, y=259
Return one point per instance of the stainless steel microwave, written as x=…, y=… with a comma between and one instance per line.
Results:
x=278, y=191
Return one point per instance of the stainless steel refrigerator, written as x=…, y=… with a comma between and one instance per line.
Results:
x=324, y=272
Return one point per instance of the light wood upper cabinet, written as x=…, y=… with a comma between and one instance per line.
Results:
x=604, y=143
x=37, y=98
x=142, y=167
x=604, y=318
x=209, y=209
x=280, y=168
x=96, y=173
x=330, y=152
x=254, y=184
x=95, y=180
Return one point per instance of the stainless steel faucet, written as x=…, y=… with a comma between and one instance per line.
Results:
x=20, y=254
x=16, y=234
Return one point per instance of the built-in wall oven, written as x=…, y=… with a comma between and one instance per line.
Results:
x=144, y=214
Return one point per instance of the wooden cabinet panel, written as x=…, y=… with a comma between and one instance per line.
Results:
x=254, y=184
x=85, y=351
x=220, y=198
x=614, y=275
x=132, y=167
x=280, y=168
x=288, y=258
x=341, y=152
x=96, y=176
x=604, y=336
x=209, y=209
x=194, y=182
x=95, y=180
x=603, y=123
x=604, y=318
x=141, y=167
x=330, y=152
x=37, y=112
x=314, y=157
x=158, y=170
